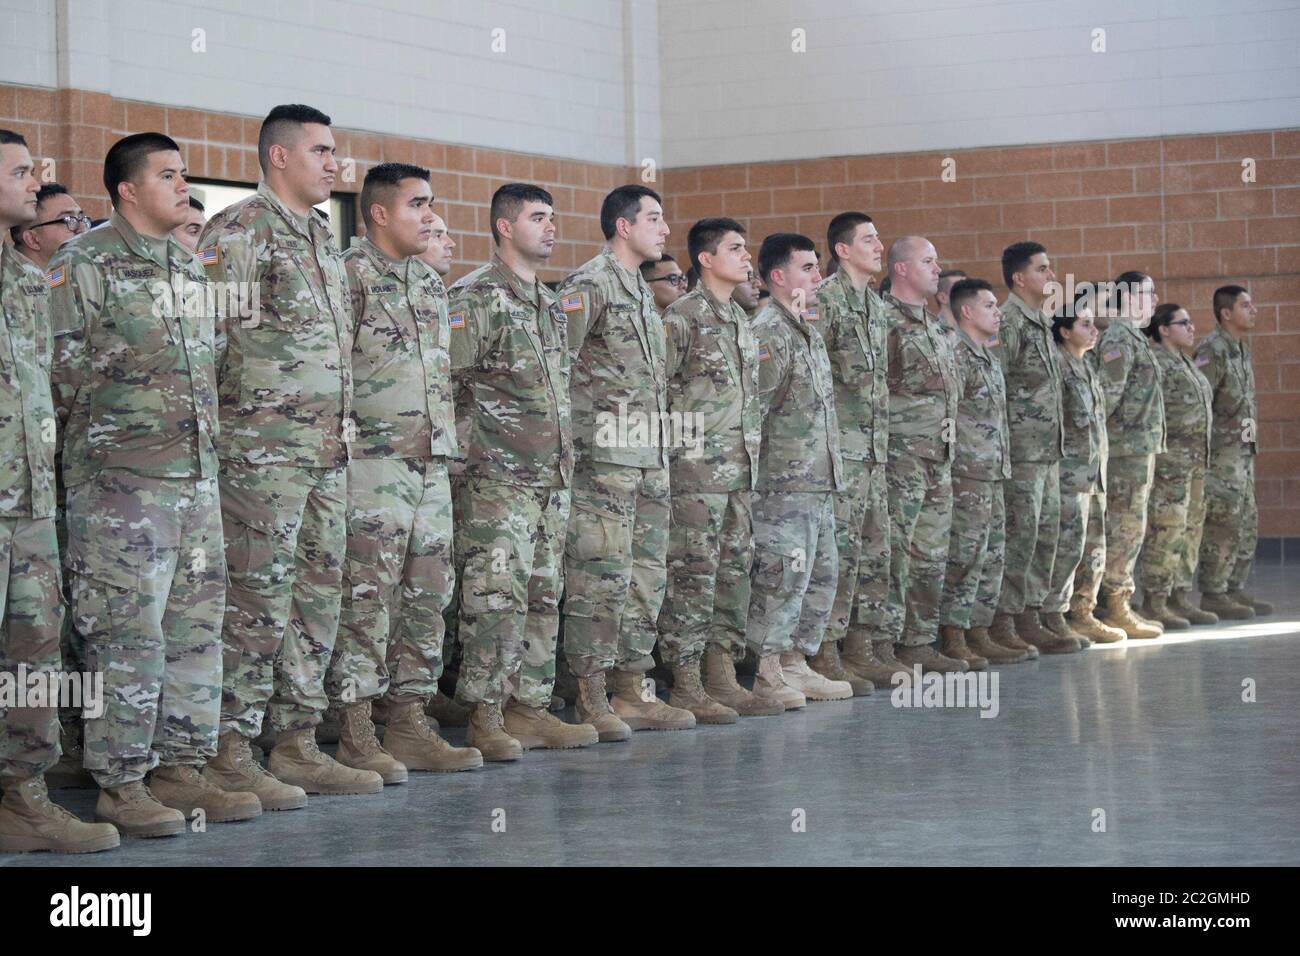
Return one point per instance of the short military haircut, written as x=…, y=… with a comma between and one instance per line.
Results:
x=382, y=181
x=1164, y=314
x=648, y=267
x=623, y=203
x=127, y=158
x=777, y=250
x=900, y=249
x=964, y=291
x=692, y=278
x=9, y=138
x=509, y=199
x=1124, y=285
x=841, y=230
x=280, y=127
x=1225, y=297
x=705, y=236
x=949, y=278
x=47, y=191
x=1015, y=258
x=195, y=204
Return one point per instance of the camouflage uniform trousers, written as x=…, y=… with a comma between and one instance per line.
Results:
x=1128, y=489
x=615, y=565
x=286, y=540
x=31, y=610
x=796, y=567
x=976, y=554
x=396, y=583
x=72, y=647
x=920, y=522
x=1033, y=498
x=1092, y=565
x=1231, y=523
x=510, y=565
x=1071, y=550
x=862, y=535
x=148, y=585
x=1175, y=517
x=710, y=556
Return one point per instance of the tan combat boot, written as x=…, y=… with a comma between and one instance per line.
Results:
x=411, y=740
x=30, y=823
x=1004, y=634
x=538, y=728
x=135, y=812
x=720, y=683
x=1031, y=631
x=1082, y=622
x=952, y=643
x=488, y=735
x=814, y=686
x=1055, y=622
x=592, y=706
x=689, y=694
x=770, y=684
x=827, y=663
x=327, y=731
x=1156, y=607
x=69, y=773
x=1117, y=613
x=446, y=711
x=1184, y=608
x=1261, y=608
x=234, y=770
x=297, y=760
x=931, y=661
x=979, y=641
x=630, y=705
x=858, y=656
x=1226, y=608
x=185, y=789
x=360, y=749
x=887, y=653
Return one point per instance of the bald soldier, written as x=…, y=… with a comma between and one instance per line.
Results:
x=923, y=391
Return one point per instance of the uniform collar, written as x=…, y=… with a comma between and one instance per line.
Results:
x=631, y=279
x=521, y=291
x=137, y=243
x=980, y=350
x=1235, y=346
x=289, y=216
x=382, y=260
x=727, y=312
x=858, y=301
x=1033, y=315
x=797, y=322
x=911, y=311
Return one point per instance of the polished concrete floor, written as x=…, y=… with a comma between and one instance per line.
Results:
x=1154, y=734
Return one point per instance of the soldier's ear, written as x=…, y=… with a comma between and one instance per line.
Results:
x=278, y=156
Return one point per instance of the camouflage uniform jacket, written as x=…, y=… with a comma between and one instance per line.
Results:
x=1033, y=376
x=134, y=368
x=923, y=382
x=510, y=379
x=1130, y=377
x=853, y=327
x=801, y=435
x=616, y=347
x=983, y=449
x=713, y=377
x=401, y=364
x=27, y=429
x=1188, y=406
x=283, y=372
x=1084, y=403
x=1225, y=363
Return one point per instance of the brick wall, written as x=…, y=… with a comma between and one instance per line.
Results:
x=1175, y=207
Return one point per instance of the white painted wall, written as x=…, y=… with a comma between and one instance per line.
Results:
x=27, y=45
x=883, y=76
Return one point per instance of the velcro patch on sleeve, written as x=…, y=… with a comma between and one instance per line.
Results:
x=764, y=353
x=573, y=303
x=1201, y=361
x=1112, y=355
x=209, y=257
x=811, y=314
x=56, y=277
x=456, y=320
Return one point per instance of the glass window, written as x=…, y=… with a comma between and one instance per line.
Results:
x=216, y=196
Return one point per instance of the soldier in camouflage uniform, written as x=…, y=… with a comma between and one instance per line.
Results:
x=615, y=552
x=135, y=386
x=1033, y=495
x=1135, y=431
x=1076, y=573
x=792, y=587
x=852, y=324
x=1231, y=515
x=923, y=392
x=981, y=464
x=510, y=375
x=712, y=369
x=30, y=606
x=1176, y=510
x=285, y=393
x=398, y=576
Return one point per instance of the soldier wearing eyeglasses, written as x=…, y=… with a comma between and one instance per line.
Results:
x=666, y=280
x=58, y=218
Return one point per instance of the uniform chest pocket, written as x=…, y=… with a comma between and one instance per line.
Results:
x=920, y=365
x=138, y=323
x=517, y=356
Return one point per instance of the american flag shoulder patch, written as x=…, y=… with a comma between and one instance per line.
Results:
x=811, y=314
x=764, y=353
x=1201, y=361
x=456, y=320
x=55, y=277
x=572, y=303
x=1112, y=355
x=210, y=256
